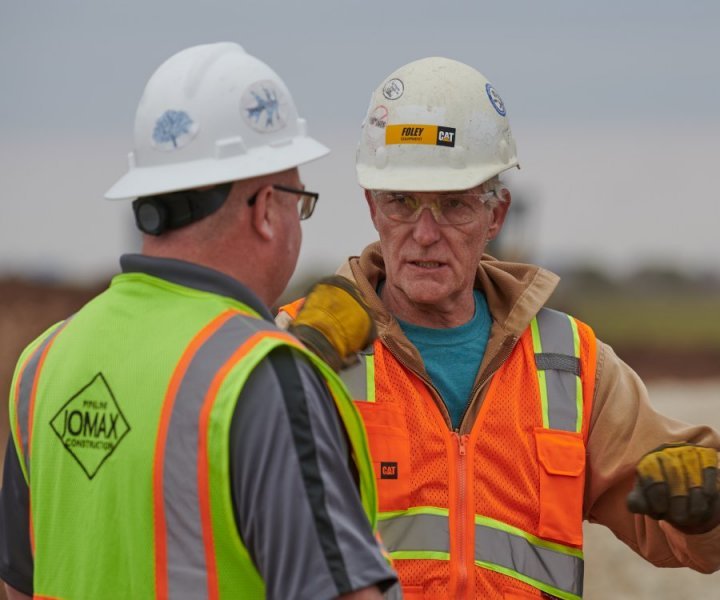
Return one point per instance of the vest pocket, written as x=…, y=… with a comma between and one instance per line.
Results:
x=390, y=454
x=561, y=455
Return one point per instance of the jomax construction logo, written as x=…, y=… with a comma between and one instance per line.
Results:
x=91, y=425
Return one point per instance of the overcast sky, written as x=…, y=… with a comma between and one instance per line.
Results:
x=615, y=108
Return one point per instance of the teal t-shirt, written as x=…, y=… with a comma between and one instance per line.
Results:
x=452, y=356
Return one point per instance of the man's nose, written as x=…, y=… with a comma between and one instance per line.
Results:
x=426, y=230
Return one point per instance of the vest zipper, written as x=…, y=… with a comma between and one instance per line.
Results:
x=462, y=577
x=492, y=368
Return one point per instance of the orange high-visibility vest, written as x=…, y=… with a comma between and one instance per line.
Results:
x=496, y=513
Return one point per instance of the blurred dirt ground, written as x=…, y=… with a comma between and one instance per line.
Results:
x=682, y=383
x=612, y=569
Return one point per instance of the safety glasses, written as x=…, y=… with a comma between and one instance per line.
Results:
x=448, y=208
x=306, y=200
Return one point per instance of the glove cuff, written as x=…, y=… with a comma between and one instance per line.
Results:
x=317, y=343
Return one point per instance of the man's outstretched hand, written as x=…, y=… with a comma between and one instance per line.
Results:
x=678, y=483
x=334, y=322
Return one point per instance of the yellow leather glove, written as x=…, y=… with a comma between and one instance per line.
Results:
x=678, y=483
x=334, y=322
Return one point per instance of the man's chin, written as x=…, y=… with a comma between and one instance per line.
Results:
x=427, y=295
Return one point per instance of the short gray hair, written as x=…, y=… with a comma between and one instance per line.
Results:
x=494, y=185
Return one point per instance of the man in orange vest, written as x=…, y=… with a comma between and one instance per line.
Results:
x=496, y=426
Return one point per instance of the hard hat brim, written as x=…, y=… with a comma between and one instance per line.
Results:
x=422, y=179
x=259, y=161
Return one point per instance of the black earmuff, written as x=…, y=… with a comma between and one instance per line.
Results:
x=150, y=215
x=155, y=215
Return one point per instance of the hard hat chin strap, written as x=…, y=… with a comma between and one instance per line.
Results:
x=157, y=214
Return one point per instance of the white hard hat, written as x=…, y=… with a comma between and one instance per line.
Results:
x=434, y=124
x=212, y=114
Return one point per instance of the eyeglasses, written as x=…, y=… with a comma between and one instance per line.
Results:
x=448, y=208
x=306, y=200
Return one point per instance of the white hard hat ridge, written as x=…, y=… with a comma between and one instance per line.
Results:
x=434, y=124
x=212, y=114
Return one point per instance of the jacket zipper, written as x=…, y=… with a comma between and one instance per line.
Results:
x=462, y=577
x=492, y=368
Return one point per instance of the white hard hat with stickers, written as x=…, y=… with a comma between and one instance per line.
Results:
x=212, y=114
x=434, y=124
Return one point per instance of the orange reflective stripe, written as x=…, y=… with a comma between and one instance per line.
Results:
x=161, y=567
x=43, y=349
x=31, y=413
x=33, y=394
x=19, y=438
x=203, y=466
x=16, y=400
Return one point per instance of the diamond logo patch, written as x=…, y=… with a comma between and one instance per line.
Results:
x=91, y=425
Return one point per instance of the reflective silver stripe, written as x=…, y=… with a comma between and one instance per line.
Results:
x=355, y=377
x=548, y=566
x=187, y=575
x=556, y=335
x=27, y=380
x=418, y=532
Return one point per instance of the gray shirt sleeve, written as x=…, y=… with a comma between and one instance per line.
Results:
x=16, y=560
x=297, y=505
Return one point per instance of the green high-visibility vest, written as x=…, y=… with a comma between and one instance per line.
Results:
x=121, y=418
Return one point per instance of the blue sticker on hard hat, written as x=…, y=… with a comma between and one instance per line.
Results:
x=495, y=99
x=173, y=130
x=264, y=107
x=393, y=89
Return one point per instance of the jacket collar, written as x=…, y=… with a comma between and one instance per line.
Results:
x=194, y=276
x=515, y=292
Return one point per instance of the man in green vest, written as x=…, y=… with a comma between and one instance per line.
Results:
x=173, y=441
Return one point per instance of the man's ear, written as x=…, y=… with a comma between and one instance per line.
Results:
x=261, y=216
x=499, y=213
x=371, y=205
